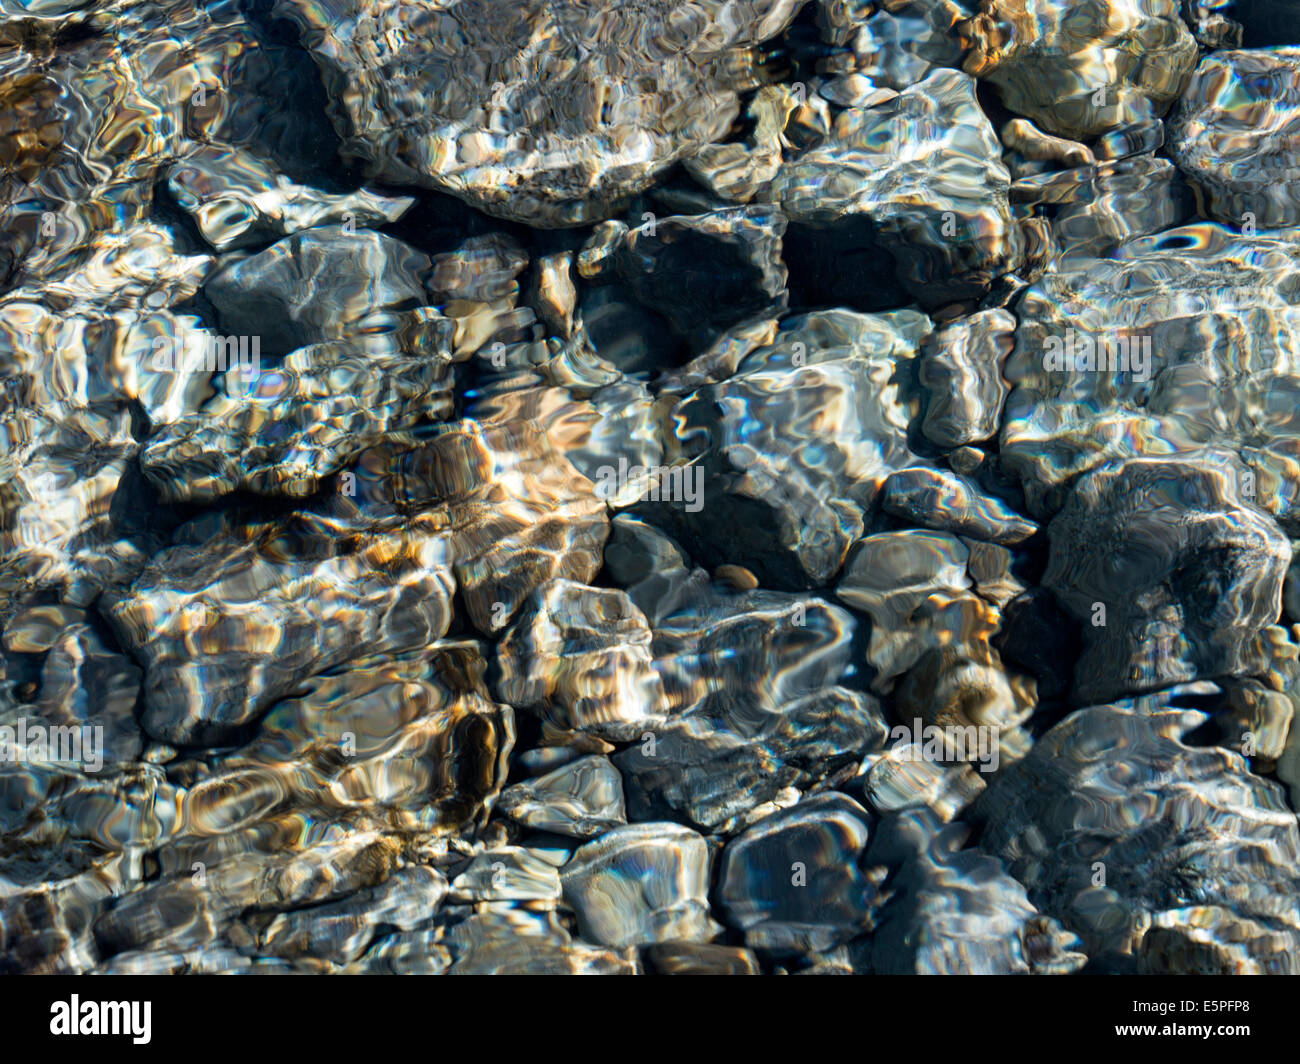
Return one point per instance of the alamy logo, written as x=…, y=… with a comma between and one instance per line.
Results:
x=1084, y=353
x=206, y=353
x=952, y=742
x=625, y=484
x=56, y=744
x=102, y=1017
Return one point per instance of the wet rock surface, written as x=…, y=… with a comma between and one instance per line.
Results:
x=962, y=374
x=592, y=487
x=224, y=628
x=317, y=285
x=700, y=272
x=741, y=735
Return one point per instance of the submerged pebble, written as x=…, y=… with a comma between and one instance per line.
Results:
x=649, y=486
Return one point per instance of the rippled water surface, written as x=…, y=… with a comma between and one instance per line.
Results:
x=617, y=486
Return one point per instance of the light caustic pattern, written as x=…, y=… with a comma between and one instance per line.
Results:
x=620, y=486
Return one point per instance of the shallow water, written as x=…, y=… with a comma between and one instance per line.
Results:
x=649, y=486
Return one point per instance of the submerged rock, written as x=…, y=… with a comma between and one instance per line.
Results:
x=1211, y=28
x=758, y=705
x=1117, y=827
x=1169, y=571
x=1236, y=135
x=903, y=777
x=517, y=512
x=508, y=874
x=932, y=498
x=720, y=772
x=918, y=179
x=736, y=172
x=82, y=685
x=583, y=798
x=899, y=45
x=551, y=113
x=318, y=285
x=1256, y=714
x=931, y=638
x=341, y=931
x=230, y=621
x=651, y=567
x=412, y=737
x=956, y=912
x=792, y=882
x=1080, y=71
x=249, y=910
x=238, y=200
x=281, y=431
x=1022, y=136
x=699, y=958
x=508, y=949
x=702, y=272
x=57, y=500
x=640, y=884
x=581, y=656
x=1098, y=209
x=796, y=444
x=75, y=515
x=961, y=369
x=1179, y=344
